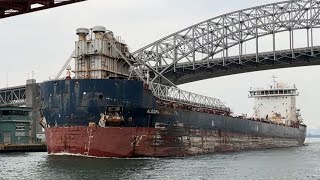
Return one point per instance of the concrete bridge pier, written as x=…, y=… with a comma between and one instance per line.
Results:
x=33, y=101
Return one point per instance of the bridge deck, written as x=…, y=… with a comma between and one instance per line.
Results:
x=186, y=72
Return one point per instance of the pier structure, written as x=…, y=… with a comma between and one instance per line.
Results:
x=24, y=96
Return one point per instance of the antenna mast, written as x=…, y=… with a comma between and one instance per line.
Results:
x=274, y=80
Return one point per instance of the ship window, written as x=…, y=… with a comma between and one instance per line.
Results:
x=15, y=113
x=20, y=128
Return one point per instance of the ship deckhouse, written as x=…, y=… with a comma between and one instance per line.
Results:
x=96, y=56
x=276, y=104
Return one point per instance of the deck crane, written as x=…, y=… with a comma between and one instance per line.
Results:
x=65, y=65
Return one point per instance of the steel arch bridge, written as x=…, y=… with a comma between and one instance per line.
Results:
x=202, y=51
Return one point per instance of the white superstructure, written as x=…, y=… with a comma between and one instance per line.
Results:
x=95, y=56
x=276, y=104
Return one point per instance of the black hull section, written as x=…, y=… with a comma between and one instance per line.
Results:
x=78, y=102
x=227, y=124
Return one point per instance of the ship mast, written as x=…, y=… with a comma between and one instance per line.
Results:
x=274, y=80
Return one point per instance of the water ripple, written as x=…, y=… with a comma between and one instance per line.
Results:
x=291, y=163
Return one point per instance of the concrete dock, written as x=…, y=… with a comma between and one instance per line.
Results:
x=22, y=148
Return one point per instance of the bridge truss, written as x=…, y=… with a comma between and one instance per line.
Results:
x=203, y=50
x=13, y=96
x=16, y=7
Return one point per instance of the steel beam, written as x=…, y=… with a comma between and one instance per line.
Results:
x=10, y=8
x=13, y=96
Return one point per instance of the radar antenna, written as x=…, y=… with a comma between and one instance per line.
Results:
x=274, y=80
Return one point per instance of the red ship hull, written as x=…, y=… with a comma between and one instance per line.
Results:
x=103, y=142
x=152, y=142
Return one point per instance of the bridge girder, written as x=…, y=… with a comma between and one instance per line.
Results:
x=284, y=59
x=16, y=7
x=199, y=45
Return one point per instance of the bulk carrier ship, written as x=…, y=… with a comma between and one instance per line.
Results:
x=103, y=112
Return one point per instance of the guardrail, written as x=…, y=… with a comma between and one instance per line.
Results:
x=175, y=94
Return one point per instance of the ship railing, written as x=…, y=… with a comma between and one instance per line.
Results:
x=171, y=93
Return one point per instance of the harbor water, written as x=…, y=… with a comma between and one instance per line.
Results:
x=289, y=163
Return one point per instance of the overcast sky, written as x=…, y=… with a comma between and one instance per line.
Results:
x=42, y=42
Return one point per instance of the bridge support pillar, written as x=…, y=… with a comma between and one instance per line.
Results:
x=32, y=101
